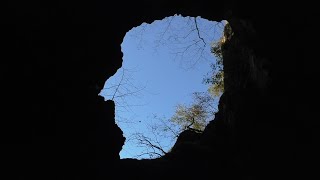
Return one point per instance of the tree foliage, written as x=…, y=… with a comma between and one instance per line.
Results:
x=194, y=116
x=190, y=117
x=198, y=114
x=216, y=76
x=217, y=86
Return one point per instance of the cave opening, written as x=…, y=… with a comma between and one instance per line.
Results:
x=171, y=80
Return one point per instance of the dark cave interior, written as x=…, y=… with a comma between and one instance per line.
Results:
x=56, y=57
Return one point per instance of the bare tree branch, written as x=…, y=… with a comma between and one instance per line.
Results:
x=198, y=31
x=146, y=142
x=118, y=85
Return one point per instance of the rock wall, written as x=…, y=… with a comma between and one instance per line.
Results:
x=57, y=55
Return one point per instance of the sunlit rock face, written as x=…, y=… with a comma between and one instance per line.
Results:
x=57, y=56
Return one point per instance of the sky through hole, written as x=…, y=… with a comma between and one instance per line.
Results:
x=163, y=64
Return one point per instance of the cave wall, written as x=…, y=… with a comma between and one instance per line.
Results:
x=56, y=57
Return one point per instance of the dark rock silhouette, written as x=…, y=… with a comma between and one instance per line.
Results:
x=56, y=57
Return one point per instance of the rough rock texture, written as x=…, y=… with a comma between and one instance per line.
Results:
x=57, y=55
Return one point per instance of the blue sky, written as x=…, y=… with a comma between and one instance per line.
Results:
x=163, y=64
